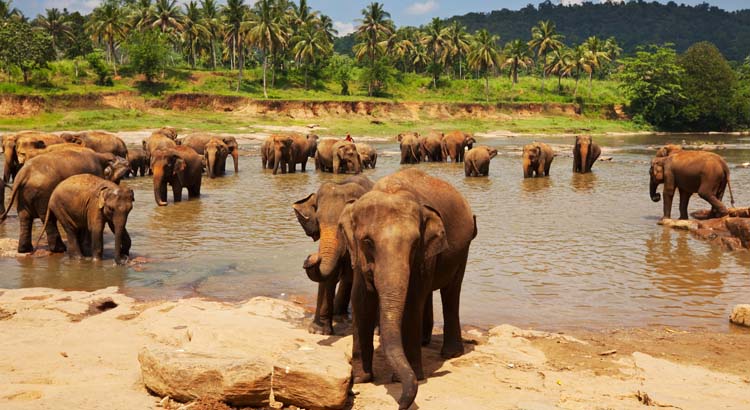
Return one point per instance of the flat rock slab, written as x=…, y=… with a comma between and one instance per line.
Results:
x=740, y=315
x=731, y=232
x=312, y=377
x=186, y=376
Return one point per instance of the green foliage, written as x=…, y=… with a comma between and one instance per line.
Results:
x=149, y=53
x=96, y=62
x=23, y=47
x=340, y=69
x=652, y=81
x=377, y=76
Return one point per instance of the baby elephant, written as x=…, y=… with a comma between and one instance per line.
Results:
x=83, y=204
x=477, y=161
x=537, y=159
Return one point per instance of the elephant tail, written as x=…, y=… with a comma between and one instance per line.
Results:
x=13, y=195
x=476, y=168
x=44, y=228
x=731, y=195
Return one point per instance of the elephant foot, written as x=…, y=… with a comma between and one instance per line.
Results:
x=59, y=248
x=451, y=351
x=25, y=248
x=362, y=378
x=342, y=318
x=320, y=329
x=426, y=339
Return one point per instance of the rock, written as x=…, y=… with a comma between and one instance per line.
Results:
x=743, y=165
x=274, y=308
x=740, y=315
x=185, y=376
x=740, y=228
x=8, y=248
x=679, y=224
x=312, y=377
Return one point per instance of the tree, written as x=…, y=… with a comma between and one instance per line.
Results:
x=651, y=80
x=57, y=28
x=8, y=12
x=168, y=18
x=596, y=55
x=341, y=67
x=709, y=85
x=234, y=15
x=562, y=59
x=311, y=44
x=458, y=44
x=435, y=40
x=193, y=29
x=579, y=63
x=149, y=52
x=212, y=22
x=79, y=44
x=107, y=24
x=372, y=34
x=484, y=56
x=23, y=47
x=142, y=15
x=265, y=33
x=517, y=55
x=326, y=24
x=544, y=39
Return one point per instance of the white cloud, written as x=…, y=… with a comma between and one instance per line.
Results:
x=343, y=28
x=423, y=7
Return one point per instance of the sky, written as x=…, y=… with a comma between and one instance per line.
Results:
x=345, y=12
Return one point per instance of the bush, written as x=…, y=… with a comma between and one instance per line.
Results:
x=149, y=53
x=96, y=62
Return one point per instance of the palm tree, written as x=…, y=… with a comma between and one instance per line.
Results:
x=302, y=15
x=265, y=33
x=167, y=17
x=458, y=42
x=401, y=47
x=234, y=15
x=517, y=54
x=107, y=22
x=435, y=40
x=193, y=29
x=7, y=11
x=579, y=63
x=561, y=59
x=484, y=56
x=544, y=38
x=142, y=15
x=212, y=22
x=595, y=55
x=310, y=45
x=326, y=24
x=56, y=26
x=375, y=28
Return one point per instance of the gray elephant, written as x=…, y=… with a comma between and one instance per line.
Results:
x=318, y=214
x=408, y=236
x=337, y=156
x=537, y=159
x=276, y=153
x=139, y=161
x=84, y=205
x=198, y=142
x=181, y=167
x=408, y=142
x=303, y=147
x=30, y=144
x=215, y=154
x=454, y=145
x=99, y=141
x=431, y=146
x=368, y=155
x=585, y=153
x=477, y=161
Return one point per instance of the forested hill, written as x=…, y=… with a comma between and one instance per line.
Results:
x=632, y=23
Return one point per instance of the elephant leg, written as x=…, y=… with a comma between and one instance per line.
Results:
x=547, y=165
x=74, y=240
x=54, y=241
x=303, y=166
x=668, y=195
x=540, y=170
x=343, y=294
x=404, y=157
x=684, y=200
x=322, y=323
x=717, y=207
x=97, y=241
x=336, y=164
x=194, y=191
x=365, y=317
x=450, y=296
x=24, y=238
x=177, y=190
x=126, y=241
x=84, y=242
x=427, y=321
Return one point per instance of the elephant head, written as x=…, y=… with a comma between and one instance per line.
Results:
x=166, y=165
x=116, y=204
x=348, y=155
x=73, y=138
x=312, y=145
x=9, y=154
x=234, y=151
x=492, y=152
x=657, y=177
x=116, y=168
x=214, y=155
x=169, y=132
x=282, y=149
x=531, y=156
x=469, y=141
x=668, y=150
x=388, y=237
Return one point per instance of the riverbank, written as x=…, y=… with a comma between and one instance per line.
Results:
x=80, y=350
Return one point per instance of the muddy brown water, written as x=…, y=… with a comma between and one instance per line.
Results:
x=568, y=251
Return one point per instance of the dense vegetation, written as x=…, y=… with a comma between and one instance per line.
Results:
x=283, y=49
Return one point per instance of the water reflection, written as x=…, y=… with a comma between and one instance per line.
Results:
x=535, y=186
x=584, y=182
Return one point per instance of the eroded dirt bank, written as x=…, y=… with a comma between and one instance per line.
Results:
x=80, y=350
x=18, y=105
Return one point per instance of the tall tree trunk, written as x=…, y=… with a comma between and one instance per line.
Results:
x=241, y=66
x=487, y=85
x=591, y=75
x=305, y=76
x=544, y=72
x=575, y=92
x=114, y=58
x=213, y=52
x=234, y=52
x=265, y=64
x=460, y=69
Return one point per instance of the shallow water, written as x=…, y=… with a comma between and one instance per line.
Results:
x=558, y=252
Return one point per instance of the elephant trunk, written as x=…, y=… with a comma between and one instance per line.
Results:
x=160, y=187
x=526, y=167
x=655, y=196
x=277, y=162
x=236, y=159
x=119, y=224
x=392, y=298
x=210, y=161
x=328, y=250
x=2, y=197
x=585, y=151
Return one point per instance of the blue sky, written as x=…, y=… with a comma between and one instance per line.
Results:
x=345, y=12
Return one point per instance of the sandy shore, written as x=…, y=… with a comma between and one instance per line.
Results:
x=79, y=350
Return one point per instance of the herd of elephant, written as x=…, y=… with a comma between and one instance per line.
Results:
x=73, y=179
x=384, y=246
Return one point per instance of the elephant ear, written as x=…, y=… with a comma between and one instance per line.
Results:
x=179, y=164
x=433, y=237
x=357, y=257
x=400, y=137
x=306, y=209
x=39, y=144
x=101, y=199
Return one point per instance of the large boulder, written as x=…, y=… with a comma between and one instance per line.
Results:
x=740, y=315
x=185, y=376
x=740, y=228
x=312, y=377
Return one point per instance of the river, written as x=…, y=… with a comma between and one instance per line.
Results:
x=568, y=251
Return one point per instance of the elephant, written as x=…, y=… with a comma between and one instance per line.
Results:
x=477, y=161
x=704, y=173
x=168, y=132
x=409, y=145
x=276, y=153
x=368, y=155
x=40, y=176
x=337, y=155
x=318, y=213
x=537, y=159
x=585, y=153
x=10, y=165
x=30, y=144
x=303, y=147
x=181, y=167
x=99, y=141
x=157, y=141
x=455, y=143
x=139, y=161
x=83, y=204
x=668, y=150
x=215, y=155
x=408, y=236
x=431, y=147
x=198, y=142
